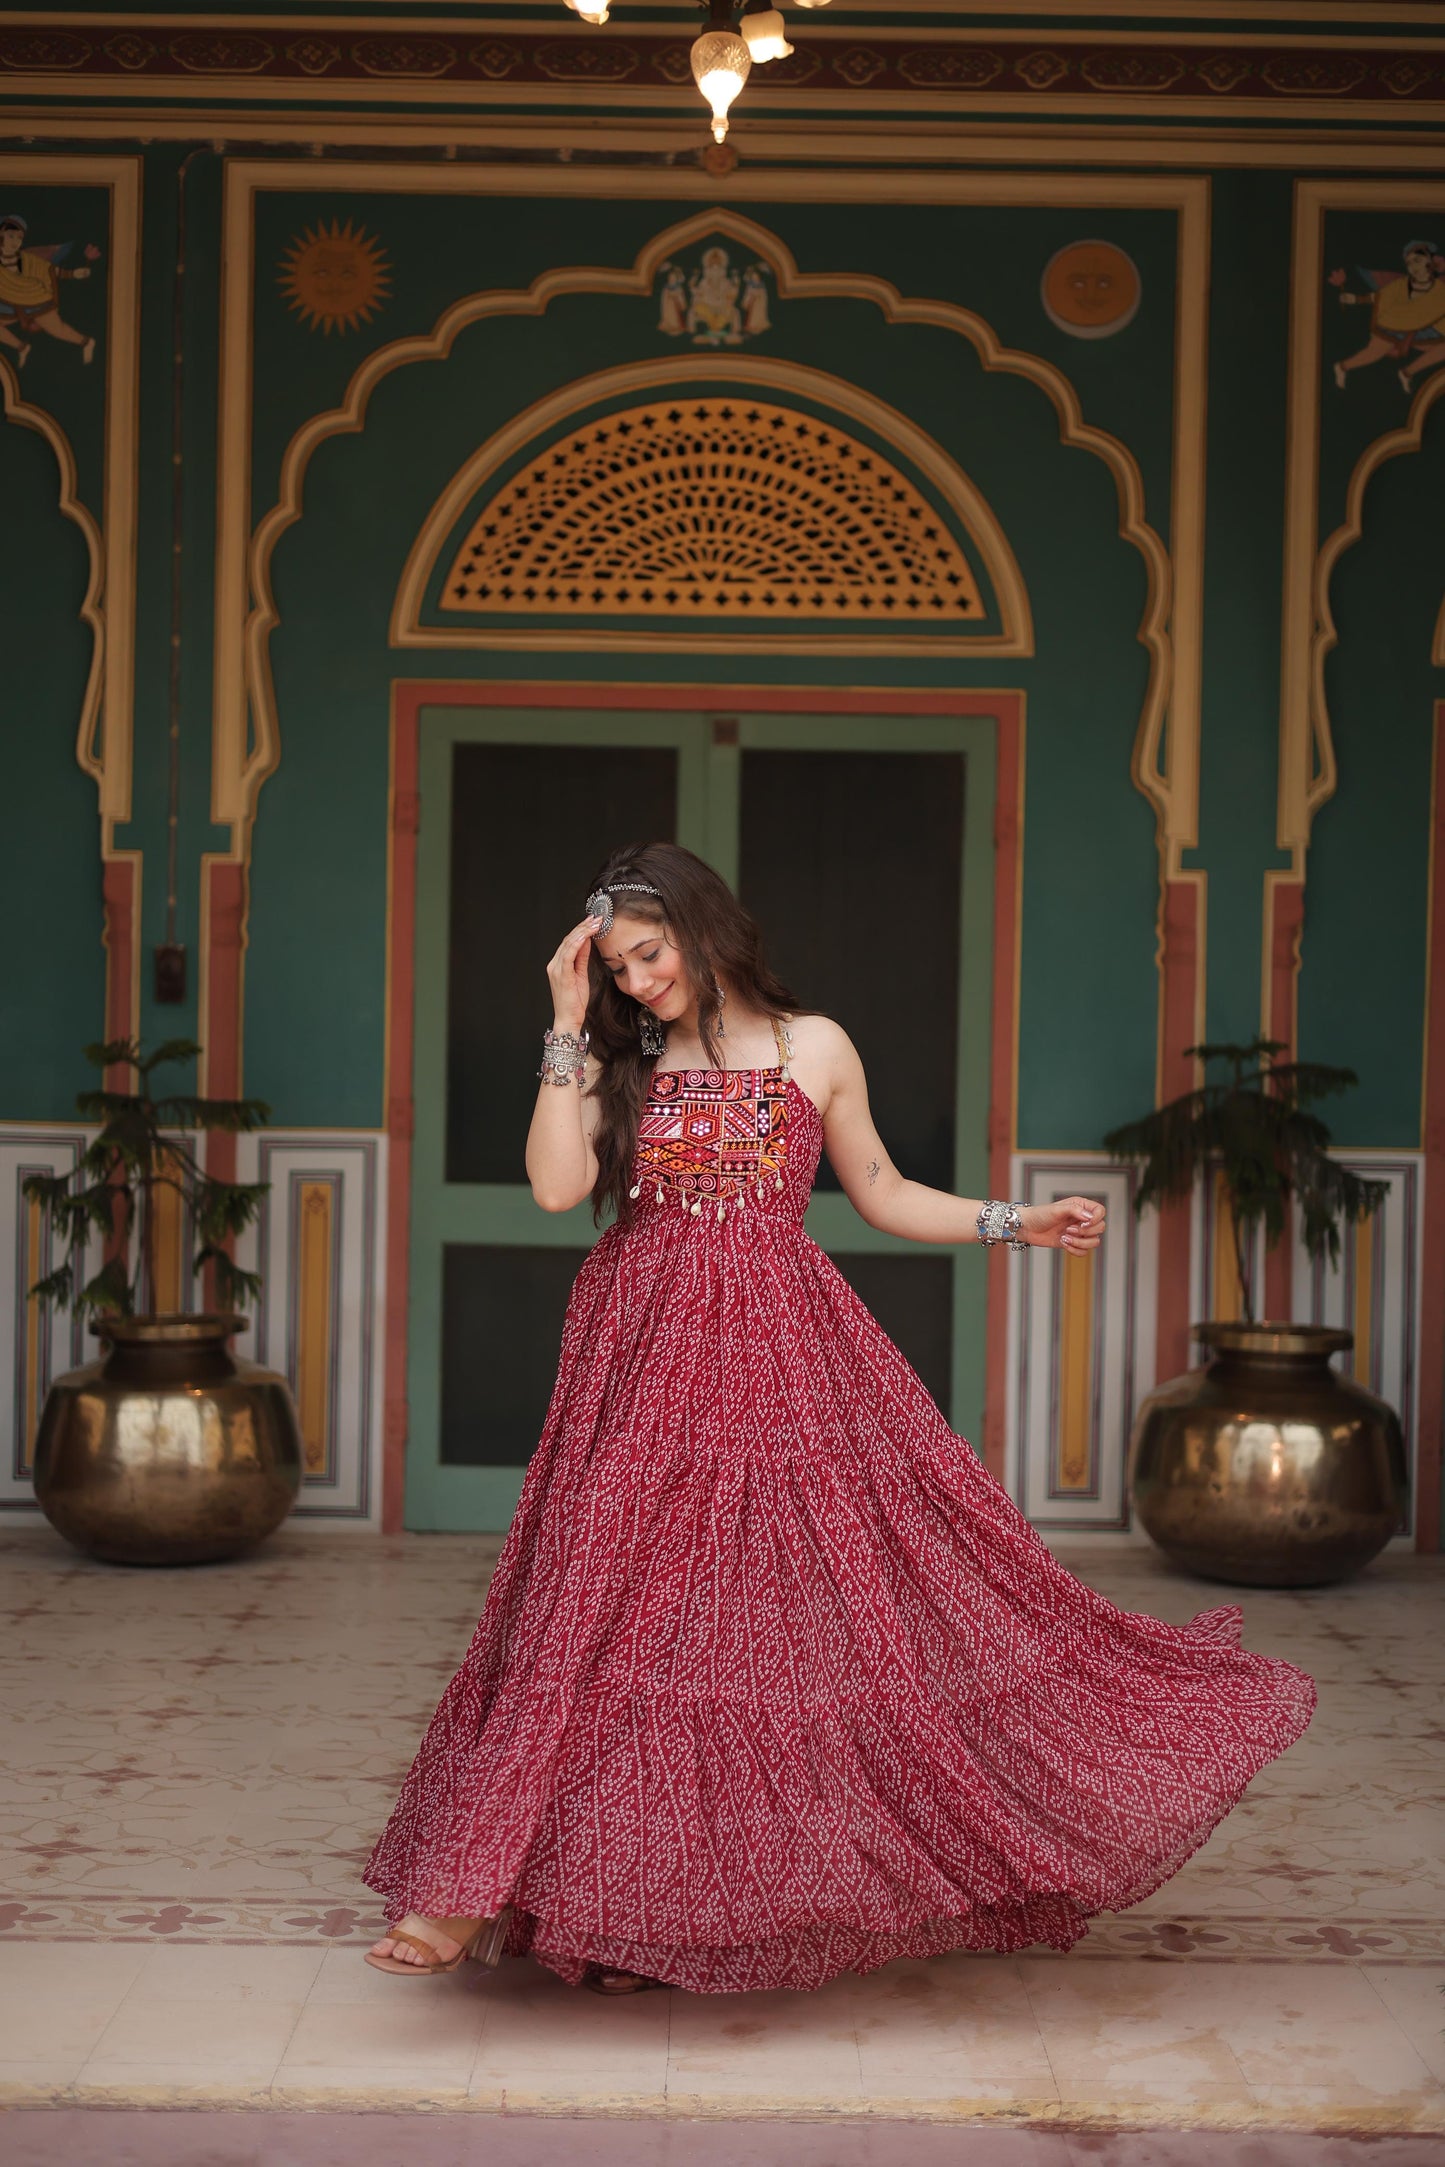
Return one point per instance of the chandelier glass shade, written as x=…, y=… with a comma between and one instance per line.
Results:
x=738, y=33
x=766, y=37
x=720, y=65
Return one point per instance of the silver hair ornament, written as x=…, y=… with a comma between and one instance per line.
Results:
x=599, y=903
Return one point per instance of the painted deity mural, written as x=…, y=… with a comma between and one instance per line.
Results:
x=714, y=304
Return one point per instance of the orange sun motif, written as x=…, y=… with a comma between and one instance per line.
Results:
x=335, y=276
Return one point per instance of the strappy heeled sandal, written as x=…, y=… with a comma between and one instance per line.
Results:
x=607, y=1979
x=480, y=1938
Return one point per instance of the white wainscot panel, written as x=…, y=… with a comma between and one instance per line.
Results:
x=320, y=1246
x=1071, y=1407
x=1374, y=1291
x=36, y=1344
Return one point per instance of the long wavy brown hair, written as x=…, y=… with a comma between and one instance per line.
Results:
x=720, y=946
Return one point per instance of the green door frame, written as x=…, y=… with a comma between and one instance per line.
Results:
x=497, y=1214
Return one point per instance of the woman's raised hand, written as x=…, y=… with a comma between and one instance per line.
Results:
x=567, y=976
x=1075, y=1223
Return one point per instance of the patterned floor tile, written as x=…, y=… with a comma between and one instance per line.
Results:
x=205, y=1756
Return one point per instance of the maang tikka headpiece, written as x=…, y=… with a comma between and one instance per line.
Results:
x=599, y=903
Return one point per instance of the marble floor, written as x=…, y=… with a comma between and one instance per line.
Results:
x=196, y=1763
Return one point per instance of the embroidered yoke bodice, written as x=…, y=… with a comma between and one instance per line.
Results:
x=715, y=1139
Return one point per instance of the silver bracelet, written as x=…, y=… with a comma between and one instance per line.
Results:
x=564, y=1055
x=999, y=1222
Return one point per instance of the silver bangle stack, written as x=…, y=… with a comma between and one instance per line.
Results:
x=564, y=1055
x=999, y=1222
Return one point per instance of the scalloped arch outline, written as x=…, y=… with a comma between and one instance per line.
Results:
x=236, y=792
x=90, y=612
x=1394, y=444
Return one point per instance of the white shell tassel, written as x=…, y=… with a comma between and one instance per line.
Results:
x=779, y=1182
x=635, y=1191
x=721, y=1213
x=697, y=1206
x=659, y=1192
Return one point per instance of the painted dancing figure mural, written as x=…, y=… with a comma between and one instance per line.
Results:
x=1407, y=310
x=30, y=290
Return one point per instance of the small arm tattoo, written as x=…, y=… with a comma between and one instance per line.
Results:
x=873, y=1171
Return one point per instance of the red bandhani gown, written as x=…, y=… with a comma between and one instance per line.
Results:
x=773, y=1680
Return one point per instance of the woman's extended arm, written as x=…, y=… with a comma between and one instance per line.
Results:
x=561, y=1163
x=881, y=1195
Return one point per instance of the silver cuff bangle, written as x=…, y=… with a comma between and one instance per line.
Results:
x=1000, y=1222
x=564, y=1056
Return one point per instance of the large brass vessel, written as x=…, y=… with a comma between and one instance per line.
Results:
x=169, y=1449
x=1268, y=1467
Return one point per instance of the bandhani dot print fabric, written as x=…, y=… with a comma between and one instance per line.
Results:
x=773, y=1680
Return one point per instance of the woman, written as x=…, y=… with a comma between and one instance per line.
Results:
x=773, y=1679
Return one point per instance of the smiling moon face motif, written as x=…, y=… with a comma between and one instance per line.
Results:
x=1091, y=289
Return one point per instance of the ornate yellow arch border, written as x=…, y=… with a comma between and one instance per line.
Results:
x=89, y=756
x=1307, y=775
x=245, y=755
x=901, y=435
x=1165, y=761
x=1307, y=771
x=105, y=729
x=1325, y=635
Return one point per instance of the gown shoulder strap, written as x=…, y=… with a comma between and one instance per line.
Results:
x=784, y=1037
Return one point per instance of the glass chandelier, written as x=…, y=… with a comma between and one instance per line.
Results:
x=738, y=33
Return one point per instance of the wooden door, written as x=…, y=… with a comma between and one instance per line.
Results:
x=863, y=846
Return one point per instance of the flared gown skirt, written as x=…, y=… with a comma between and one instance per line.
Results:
x=773, y=1679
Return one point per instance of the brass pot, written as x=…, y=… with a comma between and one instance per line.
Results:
x=1268, y=1467
x=168, y=1450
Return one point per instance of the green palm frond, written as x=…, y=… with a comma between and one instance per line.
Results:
x=141, y=1148
x=1254, y=1126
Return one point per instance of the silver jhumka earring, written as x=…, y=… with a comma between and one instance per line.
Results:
x=652, y=1034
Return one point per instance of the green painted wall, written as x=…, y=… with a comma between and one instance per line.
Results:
x=1362, y=985
x=52, y=977
x=313, y=1042
x=1243, y=587
x=52, y=973
x=315, y=964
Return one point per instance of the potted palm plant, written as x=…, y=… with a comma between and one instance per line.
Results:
x=168, y=1448
x=1266, y=1466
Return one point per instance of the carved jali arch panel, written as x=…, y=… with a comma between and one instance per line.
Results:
x=718, y=507
x=789, y=508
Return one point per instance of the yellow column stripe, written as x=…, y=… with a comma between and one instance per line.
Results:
x=313, y=1321
x=32, y=1338
x=1076, y=1373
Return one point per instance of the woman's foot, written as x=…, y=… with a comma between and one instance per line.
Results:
x=427, y=1930
x=602, y=1979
